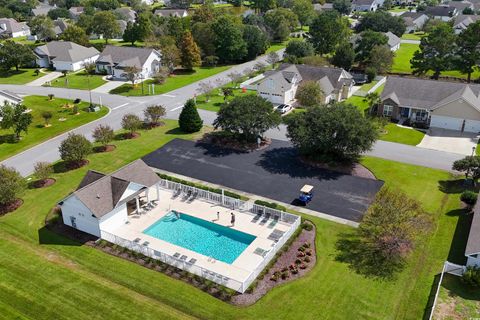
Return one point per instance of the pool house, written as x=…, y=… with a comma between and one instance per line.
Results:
x=225, y=240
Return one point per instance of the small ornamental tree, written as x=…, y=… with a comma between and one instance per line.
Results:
x=14, y=116
x=189, y=120
x=273, y=58
x=310, y=94
x=47, y=115
x=43, y=171
x=334, y=133
x=206, y=88
x=470, y=165
x=12, y=185
x=247, y=117
x=153, y=114
x=75, y=148
x=131, y=123
x=103, y=134
x=132, y=74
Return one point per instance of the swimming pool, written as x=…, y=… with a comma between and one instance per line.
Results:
x=204, y=237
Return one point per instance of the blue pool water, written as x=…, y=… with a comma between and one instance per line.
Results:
x=204, y=237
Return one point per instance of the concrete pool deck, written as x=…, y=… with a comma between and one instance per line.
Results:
x=240, y=270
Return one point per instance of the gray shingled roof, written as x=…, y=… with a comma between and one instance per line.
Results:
x=101, y=193
x=124, y=56
x=363, y=2
x=66, y=51
x=127, y=14
x=463, y=20
x=473, y=242
x=42, y=9
x=413, y=15
x=170, y=12
x=393, y=40
x=439, y=11
x=426, y=94
x=13, y=25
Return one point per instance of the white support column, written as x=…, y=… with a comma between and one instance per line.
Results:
x=158, y=192
x=137, y=202
x=147, y=195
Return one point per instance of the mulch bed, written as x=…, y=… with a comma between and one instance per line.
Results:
x=12, y=206
x=149, y=126
x=284, y=261
x=76, y=164
x=234, y=144
x=43, y=183
x=354, y=169
x=129, y=135
x=107, y=148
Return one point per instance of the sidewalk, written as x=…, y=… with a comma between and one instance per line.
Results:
x=46, y=78
x=110, y=85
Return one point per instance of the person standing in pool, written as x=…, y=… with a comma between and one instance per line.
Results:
x=232, y=220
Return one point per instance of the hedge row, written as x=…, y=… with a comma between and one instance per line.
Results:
x=272, y=205
x=199, y=186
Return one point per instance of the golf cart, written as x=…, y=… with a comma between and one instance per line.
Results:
x=306, y=194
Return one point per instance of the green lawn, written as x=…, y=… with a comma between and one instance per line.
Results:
x=67, y=280
x=358, y=102
x=398, y=9
x=178, y=80
x=79, y=80
x=216, y=99
x=38, y=132
x=368, y=86
x=21, y=76
x=119, y=43
x=275, y=46
x=413, y=36
x=457, y=301
x=401, y=62
x=402, y=135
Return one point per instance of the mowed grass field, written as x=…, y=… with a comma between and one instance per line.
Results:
x=37, y=132
x=45, y=276
x=21, y=76
x=79, y=80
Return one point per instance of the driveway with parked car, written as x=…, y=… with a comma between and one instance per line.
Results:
x=274, y=172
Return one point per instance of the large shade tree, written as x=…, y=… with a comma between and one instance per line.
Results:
x=338, y=132
x=468, y=54
x=247, y=117
x=328, y=30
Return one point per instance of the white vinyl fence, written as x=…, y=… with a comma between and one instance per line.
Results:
x=240, y=205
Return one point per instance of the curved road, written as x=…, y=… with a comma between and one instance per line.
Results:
x=173, y=102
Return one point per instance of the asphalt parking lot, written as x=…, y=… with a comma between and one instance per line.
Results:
x=274, y=173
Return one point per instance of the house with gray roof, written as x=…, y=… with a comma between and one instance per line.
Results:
x=64, y=55
x=323, y=7
x=462, y=21
x=42, y=9
x=113, y=60
x=60, y=25
x=75, y=12
x=472, y=250
x=414, y=21
x=280, y=86
x=366, y=5
x=126, y=14
x=179, y=13
x=442, y=12
x=461, y=5
x=393, y=42
x=11, y=28
x=105, y=200
x=439, y=104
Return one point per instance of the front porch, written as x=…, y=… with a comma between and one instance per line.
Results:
x=408, y=116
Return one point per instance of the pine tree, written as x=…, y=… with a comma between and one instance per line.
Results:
x=190, y=53
x=189, y=120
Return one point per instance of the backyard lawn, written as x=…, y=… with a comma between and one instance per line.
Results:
x=456, y=301
x=413, y=36
x=178, y=80
x=79, y=80
x=402, y=135
x=37, y=131
x=67, y=280
x=275, y=46
x=21, y=76
x=401, y=62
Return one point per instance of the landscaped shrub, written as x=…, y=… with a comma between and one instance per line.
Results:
x=272, y=205
x=189, y=120
x=75, y=148
x=469, y=197
x=307, y=226
x=12, y=185
x=471, y=276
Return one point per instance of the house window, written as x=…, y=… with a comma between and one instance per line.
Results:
x=387, y=110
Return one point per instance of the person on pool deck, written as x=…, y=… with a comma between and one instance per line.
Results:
x=232, y=220
x=218, y=215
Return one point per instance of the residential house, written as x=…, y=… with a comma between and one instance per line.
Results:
x=10, y=28
x=443, y=12
x=106, y=200
x=280, y=86
x=323, y=7
x=366, y=5
x=126, y=14
x=179, y=13
x=393, y=42
x=60, y=26
x=113, y=60
x=461, y=5
x=9, y=97
x=462, y=21
x=414, y=21
x=441, y=104
x=42, y=9
x=64, y=55
x=472, y=250
x=75, y=12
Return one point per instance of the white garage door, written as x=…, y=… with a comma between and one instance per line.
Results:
x=472, y=126
x=446, y=122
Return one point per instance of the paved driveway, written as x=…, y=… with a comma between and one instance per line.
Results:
x=274, y=173
x=449, y=141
